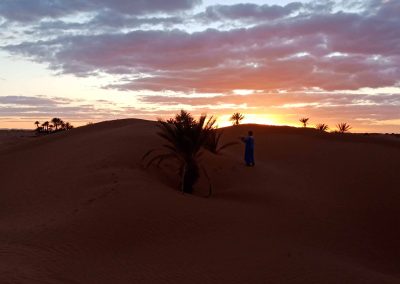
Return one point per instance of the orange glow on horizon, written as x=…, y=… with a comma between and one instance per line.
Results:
x=223, y=120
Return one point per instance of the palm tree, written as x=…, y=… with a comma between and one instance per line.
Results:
x=214, y=143
x=304, y=120
x=61, y=123
x=343, y=127
x=46, y=125
x=56, y=122
x=184, y=119
x=186, y=139
x=322, y=127
x=37, y=124
x=236, y=118
x=68, y=126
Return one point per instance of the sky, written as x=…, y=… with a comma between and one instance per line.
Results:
x=274, y=61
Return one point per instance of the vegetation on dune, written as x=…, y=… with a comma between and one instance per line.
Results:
x=304, y=121
x=343, y=127
x=322, y=127
x=186, y=139
x=236, y=118
x=214, y=144
x=46, y=127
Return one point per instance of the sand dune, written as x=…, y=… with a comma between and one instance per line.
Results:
x=78, y=207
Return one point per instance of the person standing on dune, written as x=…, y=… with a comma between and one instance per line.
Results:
x=249, y=149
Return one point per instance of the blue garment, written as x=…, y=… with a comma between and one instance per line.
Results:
x=249, y=150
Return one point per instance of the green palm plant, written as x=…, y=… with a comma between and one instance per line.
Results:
x=236, y=118
x=322, y=127
x=343, y=127
x=186, y=139
x=304, y=120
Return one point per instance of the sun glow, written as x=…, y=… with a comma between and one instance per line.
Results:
x=223, y=120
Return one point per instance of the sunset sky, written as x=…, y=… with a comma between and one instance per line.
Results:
x=274, y=61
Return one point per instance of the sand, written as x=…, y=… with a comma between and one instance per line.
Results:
x=78, y=207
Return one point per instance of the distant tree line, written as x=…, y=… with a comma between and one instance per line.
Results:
x=55, y=125
x=343, y=127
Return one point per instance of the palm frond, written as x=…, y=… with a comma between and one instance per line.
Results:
x=159, y=158
x=208, y=179
x=304, y=120
x=322, y=127
x=236, y=118
x=343, y=127
x=148, y=153
x=226, y=145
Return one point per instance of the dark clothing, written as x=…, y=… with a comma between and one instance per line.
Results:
x=249, y=150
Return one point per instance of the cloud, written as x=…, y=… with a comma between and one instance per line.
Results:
x=29, y=11
x=248, y=12
x=333, y=51
x=104, y=21
x=31, y=101
x=47, y=107
x=280, y=100
x=28, y=108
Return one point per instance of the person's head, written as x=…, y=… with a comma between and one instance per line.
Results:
x=250, y=133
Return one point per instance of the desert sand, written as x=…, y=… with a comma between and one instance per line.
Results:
x=78, y=207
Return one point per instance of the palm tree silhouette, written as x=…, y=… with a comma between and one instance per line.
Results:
x=322, y=127
x=236, y=118
x=214, y=143
x=186, y=139
x=46, y=125
x=304, y=120
x=56, y=122
x=343, y=127
x=68, y=126
x=37, y=124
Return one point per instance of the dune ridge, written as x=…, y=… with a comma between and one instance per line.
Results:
x=78, y=207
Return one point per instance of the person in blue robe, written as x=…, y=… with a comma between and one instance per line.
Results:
x=249, y=149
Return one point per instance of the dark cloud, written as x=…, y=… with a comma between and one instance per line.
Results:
x=28, y=11
x=103, y=21
x=31, y=101
x=31, y=106
x=248, y=12
x=333, y=51
x=41, y=107
x=276, y=100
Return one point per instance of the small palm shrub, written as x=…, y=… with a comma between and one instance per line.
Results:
x=186, y=140
x=304, y=121
x=343, y=127
x=322, y=127
x=236, y=118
